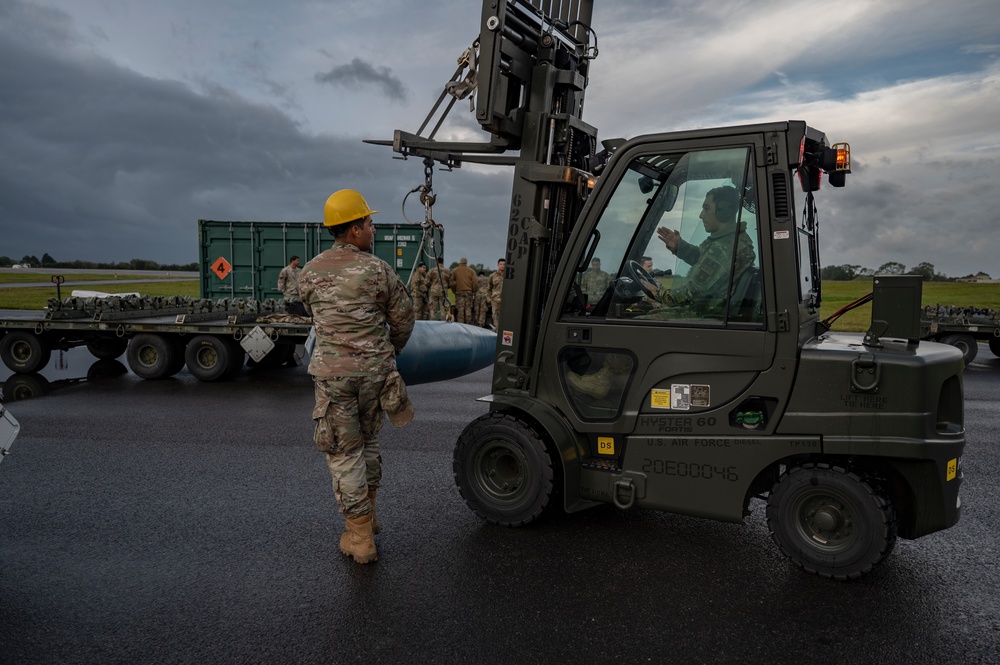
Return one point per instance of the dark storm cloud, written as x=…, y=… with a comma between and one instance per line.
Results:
x=360, y=74
x=100, y=163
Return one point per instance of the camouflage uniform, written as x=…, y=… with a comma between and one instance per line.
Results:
x=438, y=283
x=594, y=283
x=288, y=283
x=363, y=317
x=418, y=291
x=482, y=302
x=706, y=288
x=495, y=289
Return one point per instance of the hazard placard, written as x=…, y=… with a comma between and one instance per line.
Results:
x=221, y=267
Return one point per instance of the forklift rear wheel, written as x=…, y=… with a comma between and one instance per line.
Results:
x=153, y=356
x=966, y=344
x=995, y=346
x=503, y=470
x=24, y=352
x=830, y=522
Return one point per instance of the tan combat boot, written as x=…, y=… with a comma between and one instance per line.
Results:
x=596, y=385
x=358, y=540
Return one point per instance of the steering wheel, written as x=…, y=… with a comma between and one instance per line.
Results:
x=638, y=274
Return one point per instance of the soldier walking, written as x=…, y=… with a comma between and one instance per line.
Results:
x=464, y=279
x=438, y=282
x=354, y=362
x=495, y=289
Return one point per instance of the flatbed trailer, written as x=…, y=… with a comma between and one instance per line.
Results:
x=158, y=335
x=962, y=327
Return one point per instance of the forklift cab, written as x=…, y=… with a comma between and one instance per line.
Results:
x=689, y=335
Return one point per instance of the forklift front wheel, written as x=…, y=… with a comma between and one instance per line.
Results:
x=830, y=522
x=503, y=470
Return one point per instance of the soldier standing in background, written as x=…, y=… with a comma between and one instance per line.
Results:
x=464, y=279
x=354, y=362
x=594, y=282
x=418, y=291
x=438, y=282
x=288, y=284
x=495, y=289
x=482, y=302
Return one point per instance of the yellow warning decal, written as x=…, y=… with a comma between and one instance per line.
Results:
x=659, y=399
x=605, y=445
x=952, y=469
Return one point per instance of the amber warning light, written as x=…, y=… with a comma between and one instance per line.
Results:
x=843, y=157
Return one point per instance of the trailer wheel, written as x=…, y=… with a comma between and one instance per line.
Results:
x=211, y=358
x=152, y=356
x=107, y=348
x=966, y=344
x=24, y=352
x=503, y=470
x=24, y=386
x=995, y=346
x=830, y=522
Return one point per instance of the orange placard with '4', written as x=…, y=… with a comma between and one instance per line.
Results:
x=221, y=267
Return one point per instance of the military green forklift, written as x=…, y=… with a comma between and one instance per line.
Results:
x=701, y=377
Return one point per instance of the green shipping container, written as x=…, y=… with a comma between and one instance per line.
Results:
x=243, y=259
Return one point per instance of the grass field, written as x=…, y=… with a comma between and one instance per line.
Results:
x=29, y=277
x=835, y=296
x=959, y=294
x=38, y=297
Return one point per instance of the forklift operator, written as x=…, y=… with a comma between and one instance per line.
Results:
x=707, y=284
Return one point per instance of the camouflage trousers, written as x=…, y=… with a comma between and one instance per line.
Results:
x=496, y=314
x=437, y=308
x=348, y=418
x=419, y=307
x=481, y=308
x=463, y=306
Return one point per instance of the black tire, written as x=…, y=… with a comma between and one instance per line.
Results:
x=24, y=386
x=24, y=352
x=237, y=357
x=995, y=346
x=105, y=369
x=152, y=356
x=503, y=470
x=211, y=358
x=107, y=348
x=965, y=343
x=830, y=522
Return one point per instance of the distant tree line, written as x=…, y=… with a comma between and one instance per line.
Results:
x=135, y=264
x=845, y=273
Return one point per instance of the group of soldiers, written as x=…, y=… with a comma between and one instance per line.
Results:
x=475, y=294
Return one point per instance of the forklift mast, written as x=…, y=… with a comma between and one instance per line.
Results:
x=531, y=71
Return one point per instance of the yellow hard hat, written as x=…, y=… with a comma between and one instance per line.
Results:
x=345, y=206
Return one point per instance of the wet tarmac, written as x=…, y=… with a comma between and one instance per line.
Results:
x=184, y=522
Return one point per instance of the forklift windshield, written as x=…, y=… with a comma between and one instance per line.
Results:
x=678, y=238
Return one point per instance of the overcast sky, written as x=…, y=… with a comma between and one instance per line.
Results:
x=123, y=122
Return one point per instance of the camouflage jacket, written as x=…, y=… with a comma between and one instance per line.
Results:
x=418, y=286
x=707, y=284
x=288, y=282
x=362, y=313
x=594, y=283
x=496, y=285
x=434, y=282
x=483, y=286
